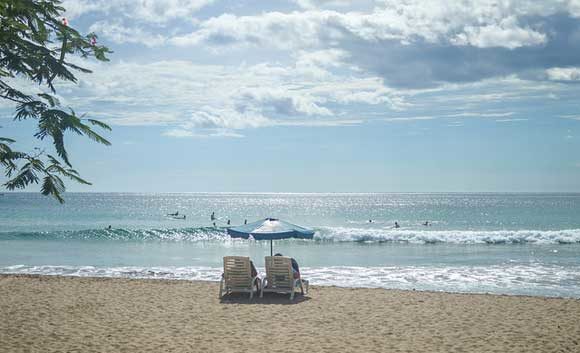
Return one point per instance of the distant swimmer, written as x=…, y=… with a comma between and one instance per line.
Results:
x=370, y=221
x=397, y=225
x=228, y=222
x=212, y=217
x=109, y=227
x=214, y=224
x=173, y=214
x=245, y=221
x=426, y=224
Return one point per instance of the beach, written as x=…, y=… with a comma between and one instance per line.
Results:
x=68, y=314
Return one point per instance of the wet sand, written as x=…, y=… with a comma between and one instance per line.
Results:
x=65, y=314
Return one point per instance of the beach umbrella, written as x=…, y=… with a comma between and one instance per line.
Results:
x=270, y=229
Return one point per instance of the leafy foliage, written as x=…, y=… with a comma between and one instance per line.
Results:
x=34, y=43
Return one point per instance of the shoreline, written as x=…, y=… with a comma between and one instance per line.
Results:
x=87, y=314
x=427, y=291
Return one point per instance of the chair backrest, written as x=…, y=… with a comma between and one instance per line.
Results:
x=279, y=272
x=237, y=271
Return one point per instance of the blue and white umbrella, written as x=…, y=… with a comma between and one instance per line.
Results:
x=270, y=229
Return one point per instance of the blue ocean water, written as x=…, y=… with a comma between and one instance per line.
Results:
x=501, y=243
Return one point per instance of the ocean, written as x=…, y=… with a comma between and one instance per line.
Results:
x=521, y=243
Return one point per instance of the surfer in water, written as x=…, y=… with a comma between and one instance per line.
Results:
x=174, y=214
x=228, y=222
x=397, y=225
x=212, y=217
x=245, y=221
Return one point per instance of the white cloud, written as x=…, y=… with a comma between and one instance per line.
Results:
x=479, y=23
x=316, y=4
x=507, y=34
x=321, y=123
x=216, y=118
x=563, y=74
x=280, y=101
x=412, y=118
x=480, y=114
x=118, y=33
x=191, y=97
x=510, y=120
x=151, y=11
x=571, y=117
x=129, y=117
x=181, y=133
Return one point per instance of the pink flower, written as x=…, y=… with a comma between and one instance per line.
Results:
x=93, y=41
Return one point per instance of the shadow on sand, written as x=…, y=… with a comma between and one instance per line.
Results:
x=269, y=298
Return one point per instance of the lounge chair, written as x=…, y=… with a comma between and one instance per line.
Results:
x=280, y=277
x=237, y=276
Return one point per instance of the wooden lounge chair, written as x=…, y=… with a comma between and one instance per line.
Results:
x=280, y=277
x=237, y=276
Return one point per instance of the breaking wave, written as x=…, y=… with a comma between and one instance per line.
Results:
x=172, y=234
x=536, y=279
x=323, y=234
x=567, y=236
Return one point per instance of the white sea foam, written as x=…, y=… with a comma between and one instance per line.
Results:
x=566, y=236
x=532, y=279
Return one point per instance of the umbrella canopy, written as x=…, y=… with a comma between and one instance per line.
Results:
x=270, y=229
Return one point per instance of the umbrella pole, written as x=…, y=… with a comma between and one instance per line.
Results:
x=271, y=247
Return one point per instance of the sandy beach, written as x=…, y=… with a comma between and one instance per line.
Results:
x=65, y=314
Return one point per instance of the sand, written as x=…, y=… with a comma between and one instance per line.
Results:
x=64, y=314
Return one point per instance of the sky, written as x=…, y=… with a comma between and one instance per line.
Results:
x=327, y=96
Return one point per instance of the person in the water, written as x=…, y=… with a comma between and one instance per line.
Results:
x=212, y=217
x=245, y=221
x=228, y=222
x=397, y=225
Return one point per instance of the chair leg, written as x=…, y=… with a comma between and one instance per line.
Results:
x=221, y=289
x=262, y=288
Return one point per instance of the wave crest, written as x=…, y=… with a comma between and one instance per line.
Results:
x=174, y=234
x=331, y=234
x=344, y=234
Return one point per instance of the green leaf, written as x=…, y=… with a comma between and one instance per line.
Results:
x=99, y=124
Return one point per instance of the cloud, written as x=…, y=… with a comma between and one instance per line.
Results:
x=280, y=101
x=563, y=74
x=131, y=117
x=202, y=99
x=505, y=34
x=411, y=118
x=118, y=33
x=180, y=133
x=480, y=114
x=510, y=120
x=215, y=118
x=150, y=11
x=415, y=43
x=336, y=4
